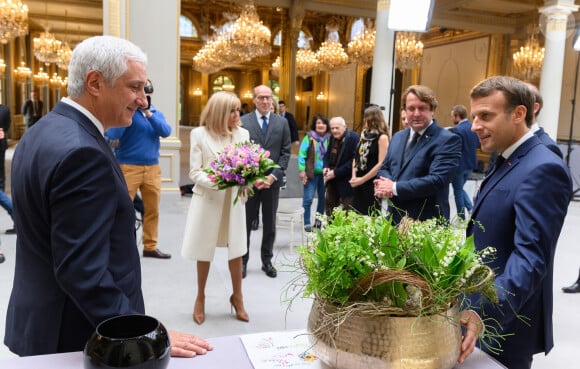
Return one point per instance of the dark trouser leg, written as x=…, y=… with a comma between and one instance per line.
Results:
x=2, y=168
x=269, y=200
x=252, y=206
x=331, y=198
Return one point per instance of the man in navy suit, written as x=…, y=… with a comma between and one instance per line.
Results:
x=552, y=145
x=468, y=162
x=294, y=139
x=77, y=262
x=420, y=162
x=536, y=129
x=519, y=210
x=271, y=131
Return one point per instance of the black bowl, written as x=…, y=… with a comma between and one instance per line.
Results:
x=128, y=341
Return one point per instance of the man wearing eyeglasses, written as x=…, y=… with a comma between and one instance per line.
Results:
x=270, y=131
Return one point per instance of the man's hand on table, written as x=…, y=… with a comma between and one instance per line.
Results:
x=188, y=345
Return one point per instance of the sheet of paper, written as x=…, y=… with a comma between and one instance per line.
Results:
x=290, y=349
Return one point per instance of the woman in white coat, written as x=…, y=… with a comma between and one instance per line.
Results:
x=213, y=219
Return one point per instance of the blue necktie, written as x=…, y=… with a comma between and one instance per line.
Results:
x=264, y=123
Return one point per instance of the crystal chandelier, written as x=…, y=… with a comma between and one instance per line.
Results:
x=64, y=55
x=362, y=48
x=22, y=74
x=13, y=20
x=46, y=48
x=248, y=37
x=207, y=59
x=528, y=60
x=331, y=54
x=306, y=63
x=408, y=50
x=240, y=40
x=56, y=82
x=64, y=52
x=41, y=78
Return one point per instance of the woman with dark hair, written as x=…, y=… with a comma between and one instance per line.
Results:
x=310, y=162
x=369, y=155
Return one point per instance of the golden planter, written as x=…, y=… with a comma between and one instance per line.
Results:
x=357, y=340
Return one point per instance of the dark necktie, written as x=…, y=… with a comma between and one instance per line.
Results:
x=498, y=162
x=264, y=123
x=411, y=145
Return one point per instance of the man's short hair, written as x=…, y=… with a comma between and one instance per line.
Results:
x=423, y=93
x=460, y=111
x=516, y=92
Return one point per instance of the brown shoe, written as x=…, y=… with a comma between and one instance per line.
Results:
x=156, y=254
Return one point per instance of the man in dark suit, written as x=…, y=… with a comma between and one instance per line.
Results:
x=272, y=133
x=519, y=210
x=77, y=262
x=536, y=129
x=337, y=166
x=294, y=139
x=5, y=121
x=32, y=109
x=552, y=145
x=468, y=161
x=420, y=162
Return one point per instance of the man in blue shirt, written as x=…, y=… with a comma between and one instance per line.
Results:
x=138, y=156
x=468, y=161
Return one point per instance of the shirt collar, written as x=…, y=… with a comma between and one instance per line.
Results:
x=87, y=113
x=510, y=150
x=259, y=115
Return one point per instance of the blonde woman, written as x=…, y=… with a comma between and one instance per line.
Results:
x=213, y=219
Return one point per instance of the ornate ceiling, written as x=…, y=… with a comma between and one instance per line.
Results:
x=84, y=17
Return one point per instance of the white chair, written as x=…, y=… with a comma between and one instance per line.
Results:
x=292, y=216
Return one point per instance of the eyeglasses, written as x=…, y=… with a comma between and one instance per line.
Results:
x=265, y=97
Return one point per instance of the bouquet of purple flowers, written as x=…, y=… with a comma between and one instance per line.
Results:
x=240, y=165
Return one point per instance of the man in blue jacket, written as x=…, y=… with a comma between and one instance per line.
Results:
x=138, y=156
x=468, y=162
x=420, y=162
x=519, y=210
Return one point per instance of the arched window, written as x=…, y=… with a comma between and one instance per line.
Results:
x=186, y=27
x=357, y=28
x=303, y=40
x=223, y=83
x=278, y=39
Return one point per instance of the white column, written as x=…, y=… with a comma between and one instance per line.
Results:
x=154, y=26
x=382, y=78
x=555, y=16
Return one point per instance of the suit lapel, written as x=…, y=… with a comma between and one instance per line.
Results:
x=430, y=132
x=83, y=121
x=490, y=182
x=213, y=143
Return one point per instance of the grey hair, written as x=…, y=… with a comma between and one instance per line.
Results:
x=106, y=54
x=338, y=120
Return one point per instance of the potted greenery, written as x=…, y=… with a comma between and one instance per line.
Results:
x=388, y=296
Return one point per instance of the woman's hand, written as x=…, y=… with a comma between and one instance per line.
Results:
x=356, y=181
x=303, y=177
